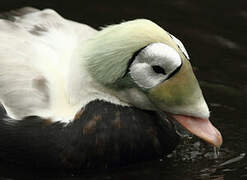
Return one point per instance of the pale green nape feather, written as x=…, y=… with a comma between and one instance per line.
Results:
x=108, y=52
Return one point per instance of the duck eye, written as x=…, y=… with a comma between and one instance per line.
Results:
x=159, y=70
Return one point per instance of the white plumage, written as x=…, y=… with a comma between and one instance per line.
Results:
x=38, y=60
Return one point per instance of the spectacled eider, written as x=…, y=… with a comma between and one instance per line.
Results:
x=74, y=97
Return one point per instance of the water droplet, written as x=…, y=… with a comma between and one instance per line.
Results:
x=216, y=152
x=169, y=155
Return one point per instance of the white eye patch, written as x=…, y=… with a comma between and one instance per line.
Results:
x=154, y=64
x=144, y=76
x=180, y=45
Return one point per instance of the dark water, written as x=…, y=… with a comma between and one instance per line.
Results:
x=214, y=33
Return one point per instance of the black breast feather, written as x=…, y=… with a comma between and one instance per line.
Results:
x=101, y=135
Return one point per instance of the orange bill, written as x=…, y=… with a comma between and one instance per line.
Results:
x=202, y=128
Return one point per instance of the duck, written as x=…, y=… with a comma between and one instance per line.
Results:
x=75, y=97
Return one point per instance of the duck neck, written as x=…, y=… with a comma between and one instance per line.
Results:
x=82, y=88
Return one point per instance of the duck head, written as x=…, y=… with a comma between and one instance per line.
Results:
x=145, y=66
